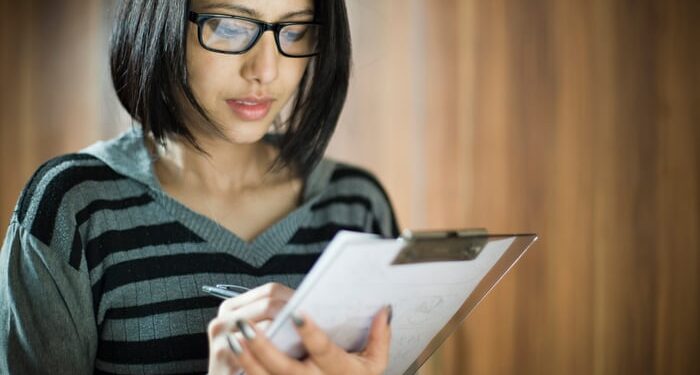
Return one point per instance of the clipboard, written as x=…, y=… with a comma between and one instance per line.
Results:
x=433, y=280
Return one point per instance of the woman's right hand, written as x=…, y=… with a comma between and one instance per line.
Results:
x=259, y=306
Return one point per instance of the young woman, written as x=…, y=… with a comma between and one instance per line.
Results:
x=221, y=182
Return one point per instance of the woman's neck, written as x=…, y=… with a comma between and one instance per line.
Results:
x=225, y=168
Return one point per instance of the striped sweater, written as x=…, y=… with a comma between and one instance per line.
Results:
x=101, y=271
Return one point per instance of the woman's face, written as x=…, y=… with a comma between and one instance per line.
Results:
x=244, y=93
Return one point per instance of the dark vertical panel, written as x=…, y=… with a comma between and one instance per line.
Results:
x=16, y=145
x=677, y=258
x=51, y=91
x=632, y=158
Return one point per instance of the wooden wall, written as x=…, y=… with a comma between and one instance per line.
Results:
x=52, y=76
x=579, y=120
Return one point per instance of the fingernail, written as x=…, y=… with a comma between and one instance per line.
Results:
x=234, y=344
x=389, y=315
x=246, y=329
x=298, y=320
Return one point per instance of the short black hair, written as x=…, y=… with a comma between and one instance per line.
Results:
x=149, y=73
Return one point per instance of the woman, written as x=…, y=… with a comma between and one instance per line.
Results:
x=102, y=267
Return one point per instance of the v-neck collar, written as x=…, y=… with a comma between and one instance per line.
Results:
x=128, y=155
x=255, y=252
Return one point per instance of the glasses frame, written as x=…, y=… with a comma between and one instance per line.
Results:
x=200, y=18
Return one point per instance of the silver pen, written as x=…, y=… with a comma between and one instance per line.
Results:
x=231, y=287
x=223, y=293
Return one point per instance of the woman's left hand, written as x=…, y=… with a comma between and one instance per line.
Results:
x=258, y=356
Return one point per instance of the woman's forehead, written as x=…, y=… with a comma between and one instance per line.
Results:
x=268, y=10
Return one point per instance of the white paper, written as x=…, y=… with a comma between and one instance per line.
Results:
x=354, y=279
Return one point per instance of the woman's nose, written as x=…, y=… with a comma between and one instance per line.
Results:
x=262, y=60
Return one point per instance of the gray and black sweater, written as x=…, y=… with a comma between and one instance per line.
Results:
x=101, y=271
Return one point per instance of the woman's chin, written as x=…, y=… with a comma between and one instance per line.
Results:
x=246, y=136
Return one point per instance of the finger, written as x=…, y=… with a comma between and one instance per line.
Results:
x=260, y=310
x=322, y=351
x=263, y=325
x=245, y=359
x=240, y=336
x=269, y=290
x=221, y=358
x=377, y=349
x=260, y=327
x=274, y=361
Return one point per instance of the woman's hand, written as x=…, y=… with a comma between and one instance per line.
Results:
x=259, y=306
x=250, y=350
x=257, y=356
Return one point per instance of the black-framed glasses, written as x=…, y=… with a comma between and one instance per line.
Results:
x=236, y=35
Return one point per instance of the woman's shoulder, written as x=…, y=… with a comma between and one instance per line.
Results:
x=55, y=177
x=349, y=185
x=346, y=176
x=64, y=186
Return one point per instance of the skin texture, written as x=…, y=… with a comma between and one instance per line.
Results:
x=233, y=177
x=257, y=356
x=262, y=71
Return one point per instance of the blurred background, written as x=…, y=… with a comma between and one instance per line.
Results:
x=575, y=119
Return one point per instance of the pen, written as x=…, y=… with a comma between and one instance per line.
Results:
x=231, y=287
x=222, y=293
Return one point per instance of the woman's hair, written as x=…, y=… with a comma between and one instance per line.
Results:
x=149, y=73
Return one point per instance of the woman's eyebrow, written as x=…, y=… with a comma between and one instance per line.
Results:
x=305, y=12
x=232, y=7
x=252, y=12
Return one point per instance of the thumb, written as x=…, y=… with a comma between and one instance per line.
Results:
x=377, y=349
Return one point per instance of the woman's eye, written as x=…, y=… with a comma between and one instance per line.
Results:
x=231, y=32
x=294, y=35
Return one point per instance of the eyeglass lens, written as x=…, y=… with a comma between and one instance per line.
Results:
x=236, y=35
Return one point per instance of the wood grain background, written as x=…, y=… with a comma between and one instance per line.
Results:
x=579, y=120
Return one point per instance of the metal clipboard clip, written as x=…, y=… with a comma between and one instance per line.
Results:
x=441, y=246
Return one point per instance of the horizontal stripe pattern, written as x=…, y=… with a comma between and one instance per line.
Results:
x=31, y=189
x=152, y=268
x=176, y=348
x=139, y=237
x=43, y=225
x=145, y=259
x=190, y=367
x=345, y=172
x=343, y=200
x=325, y=233
x=96, y=206
x=111, y=204
x=179, y=265
x=163, y=307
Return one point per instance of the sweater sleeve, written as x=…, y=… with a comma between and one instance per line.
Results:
x=46, y=320
x=386, y=224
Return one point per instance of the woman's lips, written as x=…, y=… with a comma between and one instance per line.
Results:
x=250, y=109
